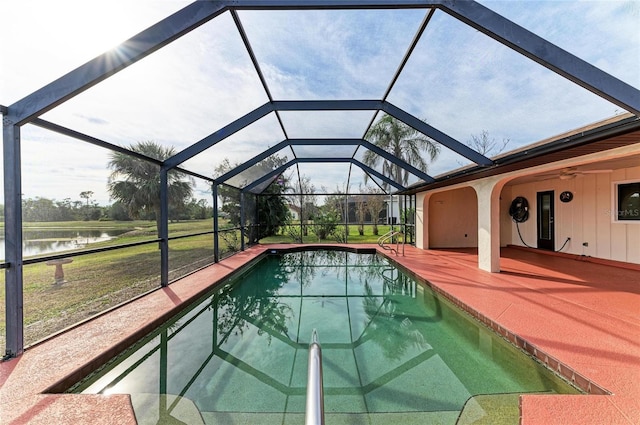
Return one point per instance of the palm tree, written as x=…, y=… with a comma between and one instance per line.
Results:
x=136, y=182
x=402, y=141
x=87, y=194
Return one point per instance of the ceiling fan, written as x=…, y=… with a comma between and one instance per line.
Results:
x=572, y=172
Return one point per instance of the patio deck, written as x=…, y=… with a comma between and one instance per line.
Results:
x=581, y=318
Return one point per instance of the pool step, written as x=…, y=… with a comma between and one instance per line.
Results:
x=165, y=409
x=491, y=409
x=400, y=418
x=495, y=409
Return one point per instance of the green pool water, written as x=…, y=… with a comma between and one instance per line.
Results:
x=393, y=352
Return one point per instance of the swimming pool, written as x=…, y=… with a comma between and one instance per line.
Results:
x=393, y=351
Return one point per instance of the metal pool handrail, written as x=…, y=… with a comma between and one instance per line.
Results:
x=389, y=236
x=315, y=394
x=384, y=237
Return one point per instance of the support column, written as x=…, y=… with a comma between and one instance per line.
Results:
x=164, y=227
x=301, y=208
x=413, y=206
x=346, y=214
x=488, y=193
x=402, y=215
x=422, y=220
x=390, y=213
x=13, y=238
x=256, y=222
x=242, y=221
x=214, y=190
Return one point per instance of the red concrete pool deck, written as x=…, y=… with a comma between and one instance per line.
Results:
x=580, y=318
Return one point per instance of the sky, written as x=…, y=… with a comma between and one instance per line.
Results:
x=457, y=79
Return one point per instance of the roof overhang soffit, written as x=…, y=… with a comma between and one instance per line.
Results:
x=620, y=133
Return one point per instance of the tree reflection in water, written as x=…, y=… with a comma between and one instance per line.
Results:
x=390, y=319
x=248, y=342
x=255, y=303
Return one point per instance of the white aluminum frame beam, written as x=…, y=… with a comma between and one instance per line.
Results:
x=323, y=142
x=328, y=105
x=196, y=14
x=282, y=168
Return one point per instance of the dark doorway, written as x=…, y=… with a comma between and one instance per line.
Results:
x=546, y=232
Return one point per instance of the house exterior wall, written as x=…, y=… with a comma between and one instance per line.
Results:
x=586, y=219
x=295, y=215
x=453, y=219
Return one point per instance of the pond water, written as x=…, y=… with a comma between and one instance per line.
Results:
x=49, y=241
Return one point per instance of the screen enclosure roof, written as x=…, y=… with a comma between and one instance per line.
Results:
x=246, y=91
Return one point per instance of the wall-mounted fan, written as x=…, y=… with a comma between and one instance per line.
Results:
x=571, y=173
x=519, y=210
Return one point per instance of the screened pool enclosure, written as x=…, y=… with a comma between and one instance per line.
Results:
x=260, y=100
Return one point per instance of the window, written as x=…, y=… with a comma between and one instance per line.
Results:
x=627, y=202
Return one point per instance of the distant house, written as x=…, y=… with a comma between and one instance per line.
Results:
x=294, y=210
x=353, y=208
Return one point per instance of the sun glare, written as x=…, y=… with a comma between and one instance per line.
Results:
x=50, y=38
x=96, y=27
x=79, y=30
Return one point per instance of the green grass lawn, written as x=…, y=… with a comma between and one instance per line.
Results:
x=95, y=282
x=353, y=236
x=178, y=226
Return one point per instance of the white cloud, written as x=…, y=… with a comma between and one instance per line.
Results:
x=57, y=167
x=604, y=33
x=45, y=39
x=330, y=54
x=461, y=81
x=468, y=83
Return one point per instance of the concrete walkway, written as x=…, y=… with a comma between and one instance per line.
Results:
x=581, y=318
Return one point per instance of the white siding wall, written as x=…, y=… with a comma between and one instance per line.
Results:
x=586, y=219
